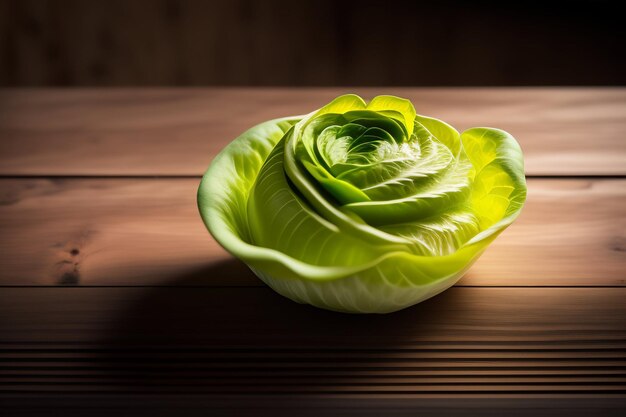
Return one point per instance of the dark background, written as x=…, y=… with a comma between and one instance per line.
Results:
x=281, y=42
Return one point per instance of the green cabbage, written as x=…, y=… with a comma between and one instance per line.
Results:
x=359, y=207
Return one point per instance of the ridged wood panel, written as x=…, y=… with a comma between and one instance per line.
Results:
x=483, y=341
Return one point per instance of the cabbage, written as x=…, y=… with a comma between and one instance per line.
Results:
x=362, y=207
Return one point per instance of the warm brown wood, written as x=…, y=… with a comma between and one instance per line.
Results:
x=570, y=232
x=466, y=342
x=229, y=345
x=148, y=232
x=563, y=131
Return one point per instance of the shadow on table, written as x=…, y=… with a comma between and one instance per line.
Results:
x=200, y=339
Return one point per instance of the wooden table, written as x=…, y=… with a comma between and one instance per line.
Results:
x=116, y=300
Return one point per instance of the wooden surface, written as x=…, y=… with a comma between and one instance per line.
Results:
x=177, y=131
x=107, y=231
x=115, y=299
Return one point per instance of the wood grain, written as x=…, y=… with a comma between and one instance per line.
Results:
x=178, y=131
x=466, y=342
x=115, y=299
x=309, y=42
x=148, y=232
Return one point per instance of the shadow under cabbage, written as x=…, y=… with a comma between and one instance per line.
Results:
x=232, y=339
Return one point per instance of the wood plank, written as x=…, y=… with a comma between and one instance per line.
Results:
x=563, y=131
x=148, y=232
x=308, y=406
x=183, y=42
x=464, y=343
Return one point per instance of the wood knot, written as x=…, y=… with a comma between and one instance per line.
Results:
x=69, y=278
x=618, y=244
